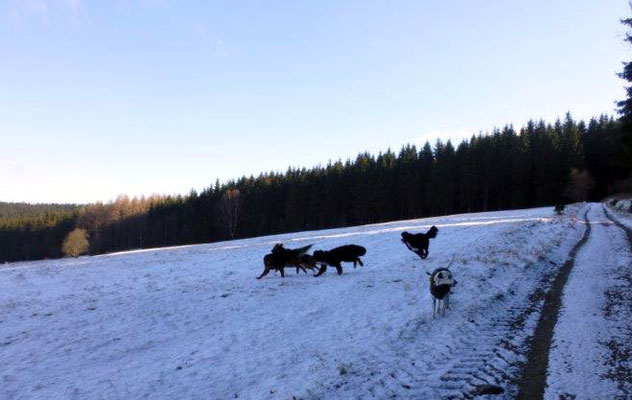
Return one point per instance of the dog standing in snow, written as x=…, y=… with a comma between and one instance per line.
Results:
x=441, y=283
x=418, y=243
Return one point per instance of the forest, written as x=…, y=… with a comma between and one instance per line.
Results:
x=539, y=164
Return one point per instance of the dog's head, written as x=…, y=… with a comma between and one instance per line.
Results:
x=405, y=236
x=306, y=258
x=319, y=255
x=442, y=276
x=277, y=247
x=307, y=261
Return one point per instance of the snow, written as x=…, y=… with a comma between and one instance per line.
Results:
x=193, y=322
x=577, y=360
x=624, y=205
x=620, y=213
x=590, y=322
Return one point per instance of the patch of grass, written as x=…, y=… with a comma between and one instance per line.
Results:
x=343, y=369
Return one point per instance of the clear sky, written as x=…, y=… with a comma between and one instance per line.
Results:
x=100, y=98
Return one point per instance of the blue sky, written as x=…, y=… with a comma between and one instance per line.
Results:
x=100, y=98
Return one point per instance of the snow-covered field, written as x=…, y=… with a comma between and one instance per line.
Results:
x=193, y=322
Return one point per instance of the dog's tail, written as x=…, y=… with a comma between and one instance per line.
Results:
x=302, y=250
x=432, y=232
x=451, y=261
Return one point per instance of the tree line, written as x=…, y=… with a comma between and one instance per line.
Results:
x=540, y=164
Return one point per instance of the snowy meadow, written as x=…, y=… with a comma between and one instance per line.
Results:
x=193, y=322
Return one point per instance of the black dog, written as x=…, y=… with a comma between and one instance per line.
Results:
x=418, y=243
x=280, y=257
x=349, y=253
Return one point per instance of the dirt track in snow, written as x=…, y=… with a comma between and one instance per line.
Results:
x=582, y=345
x=534, y=375
x=620, y=298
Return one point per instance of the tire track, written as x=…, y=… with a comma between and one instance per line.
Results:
x=484, y=354
x=619, y=301
x=492, y=367
x=486, y=364
x=533, y=381
x=627, y=230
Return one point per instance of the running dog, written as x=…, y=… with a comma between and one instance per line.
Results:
x=418, y=243
x=280, y=257
x=441, y=284
x=334, y=257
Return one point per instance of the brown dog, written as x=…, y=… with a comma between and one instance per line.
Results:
x=280, y=257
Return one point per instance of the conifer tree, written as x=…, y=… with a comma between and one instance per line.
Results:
x=625, y=106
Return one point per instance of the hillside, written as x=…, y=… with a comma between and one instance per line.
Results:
x=193, y=322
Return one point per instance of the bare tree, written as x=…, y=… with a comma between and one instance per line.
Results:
x=229, y=208
x=76, y=243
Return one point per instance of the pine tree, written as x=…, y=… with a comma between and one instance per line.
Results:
x=625, y=106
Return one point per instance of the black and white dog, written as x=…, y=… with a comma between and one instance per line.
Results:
x=334, y=257
x=441, y=284
x=418, y=243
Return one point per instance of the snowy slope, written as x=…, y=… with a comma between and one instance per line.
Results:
x=192, y=322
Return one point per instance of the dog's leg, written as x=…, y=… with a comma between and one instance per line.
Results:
x=360, y=262
x=265, y=272
x=354, y=264
x=323, y=268
x=338, y=268
x=434, y=306
x=305, y=266
x=282, y=272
